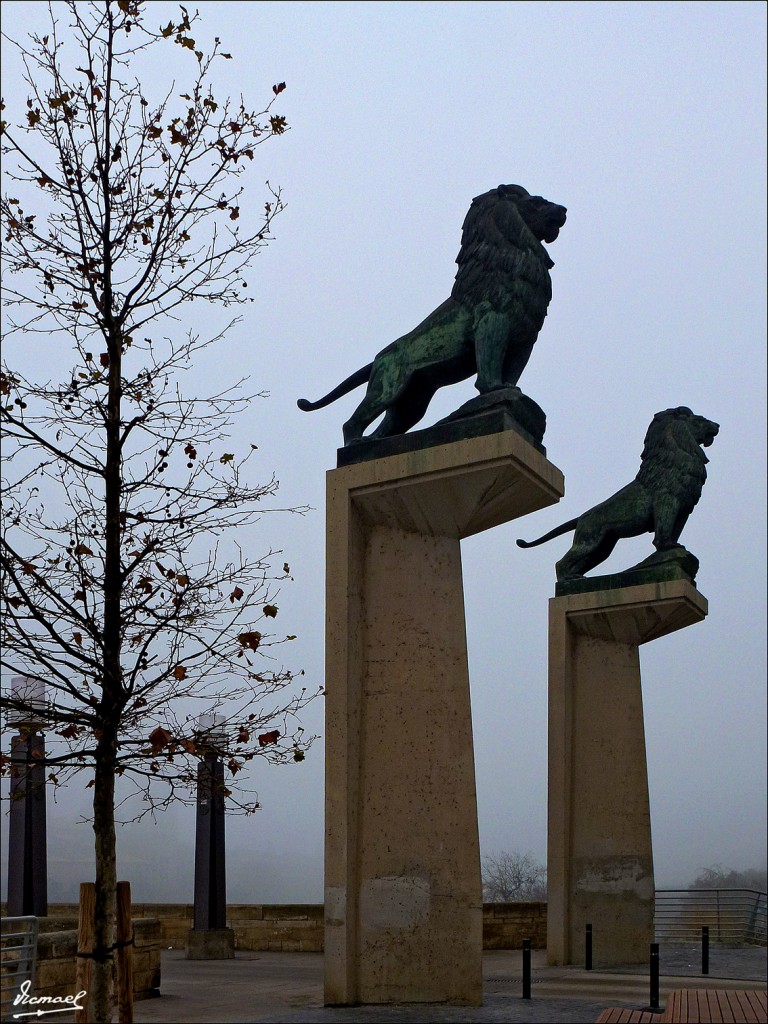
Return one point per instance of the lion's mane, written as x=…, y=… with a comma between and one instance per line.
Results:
x=672, y=464
x=501, y=261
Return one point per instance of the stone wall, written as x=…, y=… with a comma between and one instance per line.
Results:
x=57, y=949
x=297, y=928
x=285, y=927
x=505, y=925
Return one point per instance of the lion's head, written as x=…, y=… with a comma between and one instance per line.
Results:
x=542, y=218
x=679, y=426
x=672, y=455
x=501, y=239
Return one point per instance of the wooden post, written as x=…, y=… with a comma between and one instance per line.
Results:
x=85, y=932
x=124, y=954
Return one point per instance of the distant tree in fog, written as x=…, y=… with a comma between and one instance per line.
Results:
x=513, y=878
x=718, y=877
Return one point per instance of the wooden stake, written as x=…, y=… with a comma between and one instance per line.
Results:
x=85, y=931
x=124, y=954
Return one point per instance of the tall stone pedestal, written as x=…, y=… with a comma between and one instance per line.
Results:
x=600, y=863
x=403, y=896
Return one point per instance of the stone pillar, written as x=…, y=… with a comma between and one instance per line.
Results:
x=403, y=895
x=27, y=846
x=600, y=861
x=209, y=938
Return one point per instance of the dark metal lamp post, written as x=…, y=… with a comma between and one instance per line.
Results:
x=209, y=938
x=27, y=845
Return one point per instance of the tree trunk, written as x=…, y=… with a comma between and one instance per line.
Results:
x=112, y=698
x=106, y=881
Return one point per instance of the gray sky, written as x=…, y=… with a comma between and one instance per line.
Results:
x=647, y=120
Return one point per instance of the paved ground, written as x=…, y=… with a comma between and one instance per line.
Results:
x=287, y=988
x=750, y=962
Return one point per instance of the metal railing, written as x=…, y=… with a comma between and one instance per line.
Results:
x=18, y=959
x=735, y=917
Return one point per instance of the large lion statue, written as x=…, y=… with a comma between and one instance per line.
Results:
x=488, y=326
x=659, y=500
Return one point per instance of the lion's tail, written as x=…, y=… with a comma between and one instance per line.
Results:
x=354, y=381
x=557, y=532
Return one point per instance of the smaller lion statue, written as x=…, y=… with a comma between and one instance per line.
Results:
x=488, y=325
x=659, y=500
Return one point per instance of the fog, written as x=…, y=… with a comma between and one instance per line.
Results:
x=647, y=120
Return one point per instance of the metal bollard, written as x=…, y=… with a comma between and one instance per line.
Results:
x=654, y=969
x=705, y=949
x=588, y=949
x=526, y=968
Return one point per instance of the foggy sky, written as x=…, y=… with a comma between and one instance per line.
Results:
x=647, y=120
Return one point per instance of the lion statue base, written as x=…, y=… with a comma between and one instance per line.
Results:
x=507, y=409
x=677, y=557
x=529, y=416
x=659, y=500
x=676, y=563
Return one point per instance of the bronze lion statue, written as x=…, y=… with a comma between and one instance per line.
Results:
x=488, y=325
x=659, y=500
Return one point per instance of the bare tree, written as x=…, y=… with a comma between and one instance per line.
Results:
x=718, y=877
x=513, y=878
x=121, y=590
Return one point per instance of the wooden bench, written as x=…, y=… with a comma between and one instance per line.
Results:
x=621, y=1015
x=698, y=1006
